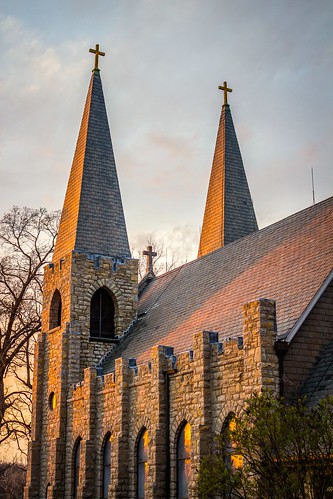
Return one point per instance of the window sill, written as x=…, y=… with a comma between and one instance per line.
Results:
x=103, y=340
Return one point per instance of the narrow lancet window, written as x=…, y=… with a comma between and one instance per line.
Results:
x=106, y=465
x=232, y=460
x=76, y=463
x=142, y=464
x=102, y=315
x=184, y=462
x=55, y=310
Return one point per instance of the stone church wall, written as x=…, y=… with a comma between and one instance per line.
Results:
x=201, y=387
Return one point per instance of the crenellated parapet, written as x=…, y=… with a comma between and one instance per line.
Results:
x=199, y=386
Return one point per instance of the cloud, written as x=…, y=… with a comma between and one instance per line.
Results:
x=35, y=109
x=160, y=75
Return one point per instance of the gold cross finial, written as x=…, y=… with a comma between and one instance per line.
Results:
x=225, y=90
x=97, y=53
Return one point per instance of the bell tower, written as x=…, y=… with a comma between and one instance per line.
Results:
x=89, y=294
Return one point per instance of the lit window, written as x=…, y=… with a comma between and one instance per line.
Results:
x=142, y=467
x=184, y=462
x=233, y=460
x=106, y=465
x=102, y=315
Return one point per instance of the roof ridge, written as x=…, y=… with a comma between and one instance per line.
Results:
x=269, y=227
x=286, y=262
x=252, y=235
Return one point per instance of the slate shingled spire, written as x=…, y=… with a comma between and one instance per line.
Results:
x=92, y=219
x=229, y=213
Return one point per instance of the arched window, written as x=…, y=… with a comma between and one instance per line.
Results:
x=233, y=460
x=106, y=465
x=102, y=315
x=76, y=466
x=55, y=310
x=48, y=491
x=142, y=463
x=184, y=461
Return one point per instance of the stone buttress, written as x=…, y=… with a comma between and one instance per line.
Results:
x=92, y=269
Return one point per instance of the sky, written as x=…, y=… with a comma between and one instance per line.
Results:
x=164, y=61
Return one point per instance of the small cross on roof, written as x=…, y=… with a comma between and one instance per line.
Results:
x=149, y=253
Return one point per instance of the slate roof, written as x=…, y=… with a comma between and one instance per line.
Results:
x=320, y=381
x=229, y=213
x=92, y=219
x=287, y=261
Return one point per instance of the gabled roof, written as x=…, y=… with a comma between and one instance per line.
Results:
x=287, y=262
x=92, y=219
x=229, y=213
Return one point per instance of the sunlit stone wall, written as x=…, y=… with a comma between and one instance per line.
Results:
x=200, y=387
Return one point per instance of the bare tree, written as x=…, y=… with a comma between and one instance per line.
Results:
x=12, y=480
x=27, y=238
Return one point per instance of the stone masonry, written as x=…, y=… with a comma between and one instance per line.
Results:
x=64, y=352
x=201, y=387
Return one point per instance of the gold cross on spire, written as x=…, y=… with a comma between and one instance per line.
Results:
x=97, y=53
x=225, y=91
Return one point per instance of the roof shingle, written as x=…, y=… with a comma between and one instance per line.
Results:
x=287, y=262
x=229, y=213
x=92, y=219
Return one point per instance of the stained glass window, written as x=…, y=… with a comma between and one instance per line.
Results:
x=184, y=462
x=142, y=466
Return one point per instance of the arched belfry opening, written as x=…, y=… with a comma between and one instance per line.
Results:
x=55, y=310
x=102, y=313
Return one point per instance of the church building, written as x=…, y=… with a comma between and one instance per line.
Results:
x=133, y=380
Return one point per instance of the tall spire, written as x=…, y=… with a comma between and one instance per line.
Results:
x=92, y=219
x=229, y=213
